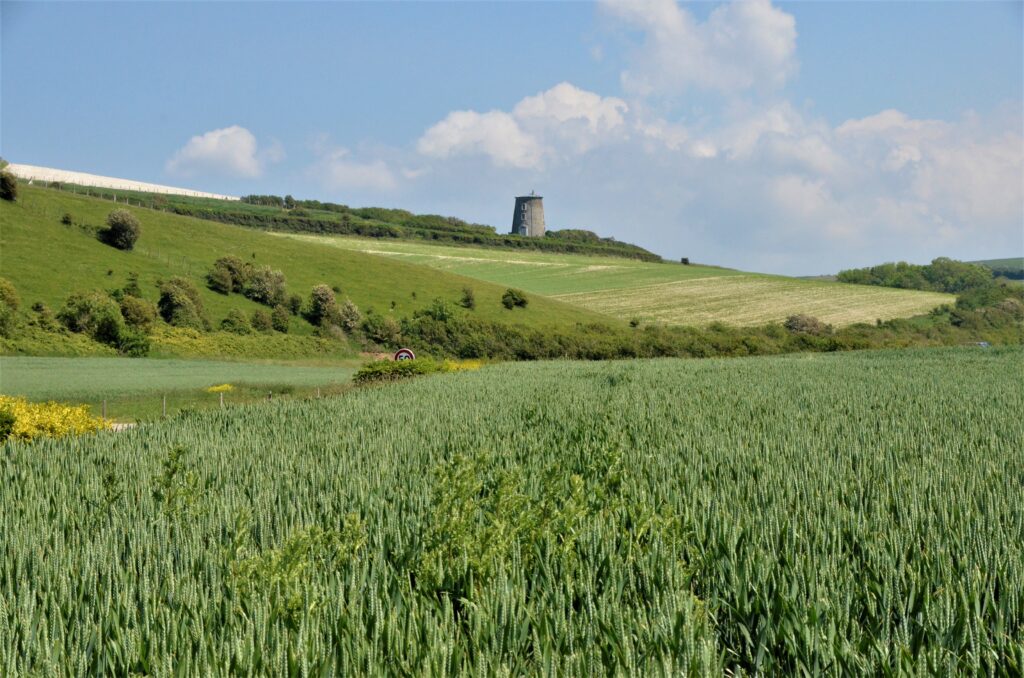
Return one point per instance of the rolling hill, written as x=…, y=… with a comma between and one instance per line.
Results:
x=47, y=260
x=662, y=292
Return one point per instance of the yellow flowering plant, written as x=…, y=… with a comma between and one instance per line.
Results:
x=27, y=420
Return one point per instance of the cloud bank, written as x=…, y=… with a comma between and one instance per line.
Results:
x=755, y=182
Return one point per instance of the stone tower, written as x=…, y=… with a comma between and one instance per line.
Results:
x=528, y=219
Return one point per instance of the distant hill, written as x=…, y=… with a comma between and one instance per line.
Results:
x=1012, y=268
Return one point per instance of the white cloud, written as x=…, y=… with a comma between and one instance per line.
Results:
x=741, y=45
x=337, y=170
x=562, y=120
x=231, y=151
x=495, y=134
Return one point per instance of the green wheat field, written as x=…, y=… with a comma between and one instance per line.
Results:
x=836, y=514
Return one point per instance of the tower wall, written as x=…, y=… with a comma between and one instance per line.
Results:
x=528, y=217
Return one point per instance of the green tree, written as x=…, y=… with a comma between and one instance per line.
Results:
x=236, y=322
x=94, y=314
x=122, y=230
x=180, y=304
x=8, y=186
x=139, y=314
x=468, y=298
x=350, y=316
x=280, y=319
x=514, y=298
x=261, y=321
x=323, y=307
x=9, y=303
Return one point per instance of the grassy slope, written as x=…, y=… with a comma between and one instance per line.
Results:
x=47, y=260
x=665, y=292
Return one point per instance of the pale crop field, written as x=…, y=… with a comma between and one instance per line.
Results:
x=667, y=293
x=851, y=514
x=756, y=300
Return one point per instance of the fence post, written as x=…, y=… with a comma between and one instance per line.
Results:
x=222, y=400
x=317, y=391
x=104, y=408
x=165, y=405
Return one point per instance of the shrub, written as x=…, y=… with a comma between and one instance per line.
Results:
x=323, y=307
x=383, y=330
x=261, y=320
x=295, y=304
x=45, y=420
x=8, y=320
x=280, y=319
x=132, y=288
x=122, y=230
x=139, y=314
x=8, y=186
x=181, y=306
x=133, y=343
x=393, y=370
x=468, y=298
x=513, y=298
x=45, y=319
x=805, y=324
x=7, y=421
x=266, y=286
x=94, y=314
x=219, y=280
x=9, y=295
x=350, y=316
x=236, y=322
x=9, y=303
x=66, y=219
x=229, y=274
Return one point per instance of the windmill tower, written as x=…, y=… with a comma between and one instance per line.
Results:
x=528, y=218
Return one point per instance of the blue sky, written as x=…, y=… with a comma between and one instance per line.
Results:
x=795, y=138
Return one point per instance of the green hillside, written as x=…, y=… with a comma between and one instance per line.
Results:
x=47, y=260
x=1012, y=268
x=276, y=213
x=664, y=292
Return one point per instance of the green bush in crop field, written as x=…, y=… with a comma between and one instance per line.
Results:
x=846, y=514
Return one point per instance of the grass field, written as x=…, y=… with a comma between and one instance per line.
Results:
x=134, y=388
x=844, y=514
x=667, y=292
x=47, y=261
